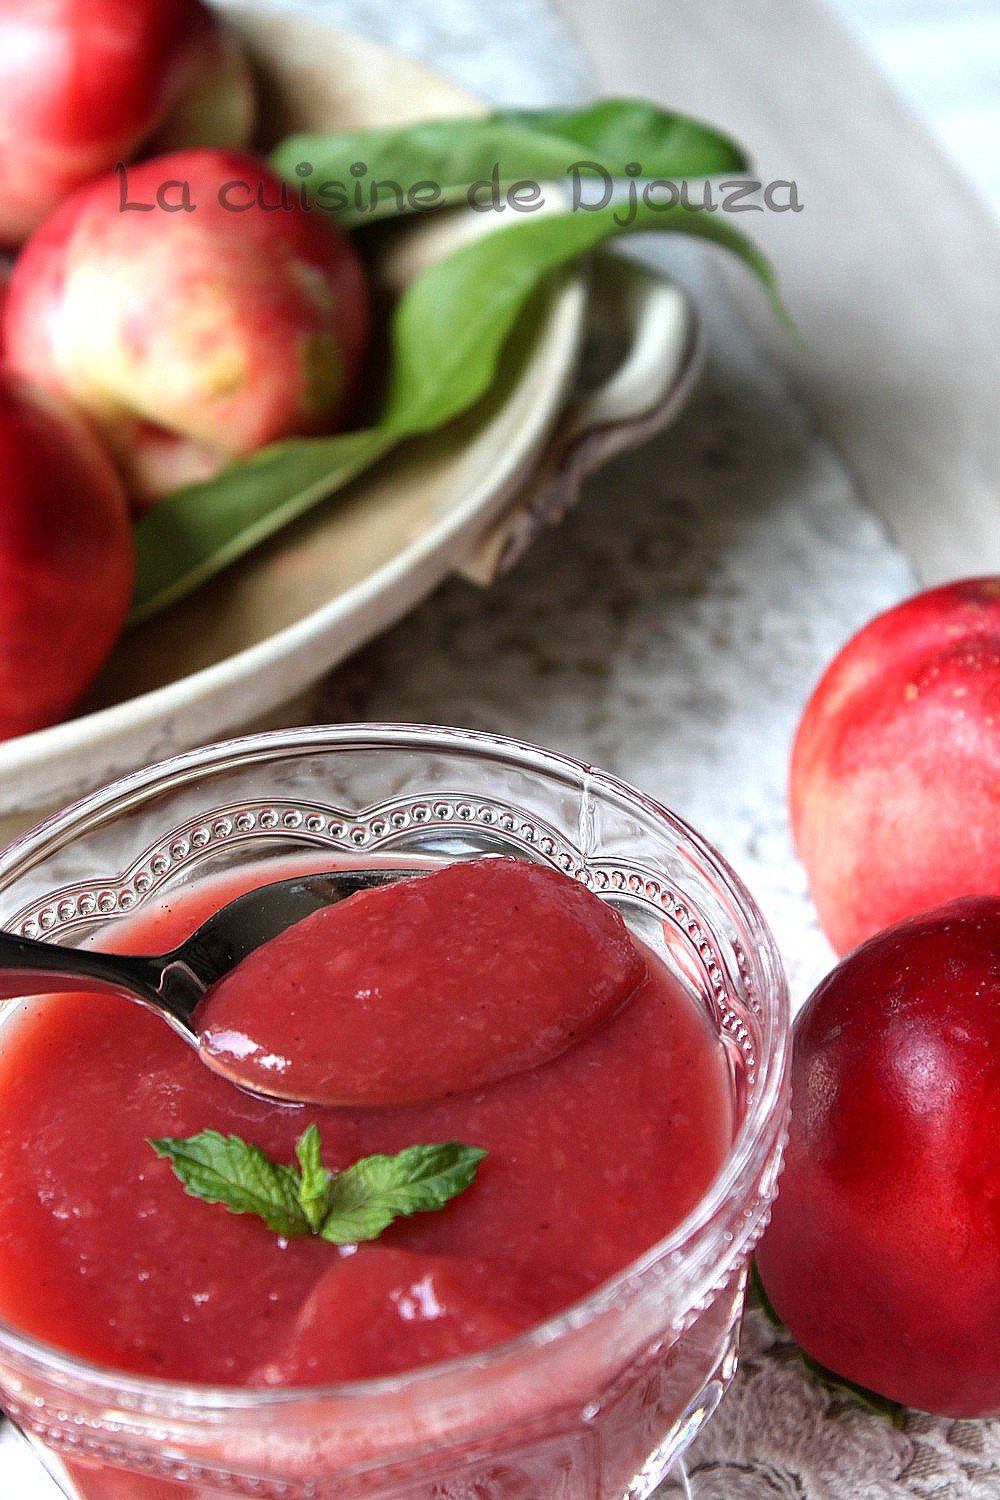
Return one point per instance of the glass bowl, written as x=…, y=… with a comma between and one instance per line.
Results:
x=595, y=1403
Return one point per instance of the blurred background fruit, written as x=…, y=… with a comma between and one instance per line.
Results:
x=66, y=557
x=86, y=83
x=222, y=317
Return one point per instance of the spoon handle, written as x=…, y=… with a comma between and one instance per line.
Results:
x=28, y=967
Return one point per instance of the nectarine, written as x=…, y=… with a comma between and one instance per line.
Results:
x=883, y=1252
x=66, y=557
x=195, y=311
x=895, y=784
x=84, y=83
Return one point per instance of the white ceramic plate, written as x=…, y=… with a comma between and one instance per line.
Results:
x=257, y=636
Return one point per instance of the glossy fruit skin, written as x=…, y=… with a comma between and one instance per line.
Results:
x=883, y=1252
x=196, y=335
x=85, y=83
x=895, y=780
x=66, y=557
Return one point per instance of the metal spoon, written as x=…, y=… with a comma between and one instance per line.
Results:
x=173, y=984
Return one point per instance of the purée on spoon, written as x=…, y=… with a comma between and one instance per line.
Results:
x=290, y=995
x=337, y=1009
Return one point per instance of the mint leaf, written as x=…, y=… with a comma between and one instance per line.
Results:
x=344, y=1208
x=314, y=1187
x=367, y=1197
x=225, y=1169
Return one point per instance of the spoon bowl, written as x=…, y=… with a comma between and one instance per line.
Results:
x=174, y=984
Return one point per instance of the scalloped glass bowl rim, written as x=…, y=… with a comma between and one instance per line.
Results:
x=756, y=1140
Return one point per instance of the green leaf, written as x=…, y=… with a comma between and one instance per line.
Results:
x=447, y=337
x=226, y=1169
x=314, y=1189
x=617, y=132
x=353, y=1205
x=757, y=1291
x=524, y=145
x=891, y=1411
x=367, y=1197
x=451, y=325
x=202, y=528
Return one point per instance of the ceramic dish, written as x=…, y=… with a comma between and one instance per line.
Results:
x=261, y=633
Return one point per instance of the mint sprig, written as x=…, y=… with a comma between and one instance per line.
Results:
x=343, y=1207
x=364, y=1199
x=225, y=1169
x=314, y=1183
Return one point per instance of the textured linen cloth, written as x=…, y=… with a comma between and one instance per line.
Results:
x=670, y=632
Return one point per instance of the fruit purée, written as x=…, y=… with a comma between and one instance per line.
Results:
x=422, y=988
x=593, y=1155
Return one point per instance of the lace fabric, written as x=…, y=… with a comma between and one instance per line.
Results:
x=782, y=1434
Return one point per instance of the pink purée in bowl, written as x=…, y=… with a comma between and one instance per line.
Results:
x=592, y=1404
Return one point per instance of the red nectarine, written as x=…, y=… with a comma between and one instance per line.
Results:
x=210, y=314
x=84, y=83
x=66, y=557
x=883, y=1252
x=895, y=785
